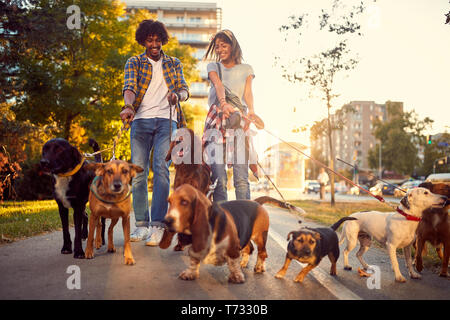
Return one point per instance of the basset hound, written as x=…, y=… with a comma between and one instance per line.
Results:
x=220, y=232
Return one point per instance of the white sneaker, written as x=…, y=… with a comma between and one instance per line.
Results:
x=140, y=233
x=156, y=236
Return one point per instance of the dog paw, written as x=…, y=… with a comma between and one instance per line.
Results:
x=112, y=250
x=66, y=251
x=443, y=275
x=400, y=279
x=299, y=279
x=98, y=244
x=419, y=267
x=237, y=277
x=279, y=275
x=79, y=255
x=259, y=269
x=348, y=268
x=188, y=275
x=129, y=261
x=89, y=254
x=415, y=275
x=178, y=247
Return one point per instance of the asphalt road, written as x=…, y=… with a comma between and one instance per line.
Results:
x=35, y=269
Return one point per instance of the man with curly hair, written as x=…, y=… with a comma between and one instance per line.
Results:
x=154, y=83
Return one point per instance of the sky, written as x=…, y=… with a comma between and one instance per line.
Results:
x=404, y=56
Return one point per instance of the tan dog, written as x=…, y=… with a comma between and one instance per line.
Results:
x=110, y=198
x=219, y=231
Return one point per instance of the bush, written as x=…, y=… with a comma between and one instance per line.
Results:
x=33, y=184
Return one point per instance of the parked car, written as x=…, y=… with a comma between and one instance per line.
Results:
x=356, y=191
x=312, y=186
x=338, y=188
x=406, y=186
x=382, y=188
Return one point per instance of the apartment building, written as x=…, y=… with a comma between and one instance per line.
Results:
x=193, y=24
x=353, y=142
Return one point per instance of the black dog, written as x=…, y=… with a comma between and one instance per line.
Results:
x=310, y=245
x=72, y=180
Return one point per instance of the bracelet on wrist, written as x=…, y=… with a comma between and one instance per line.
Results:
x=128, y=106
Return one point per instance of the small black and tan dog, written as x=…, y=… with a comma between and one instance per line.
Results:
x=72, y=180
x=310, y=245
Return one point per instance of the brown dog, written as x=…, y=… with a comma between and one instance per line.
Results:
x=110, y=198
x=435, y=228
x=189, y=168
x=219, y=231
x=310, y=245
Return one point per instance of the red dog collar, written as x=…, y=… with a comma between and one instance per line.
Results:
x=408, y=216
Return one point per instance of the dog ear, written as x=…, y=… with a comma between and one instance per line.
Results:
x=135, y=169
x=166, y=239
x=294, y=234
x=97, y=167
x=316, y=236
x=199, y=226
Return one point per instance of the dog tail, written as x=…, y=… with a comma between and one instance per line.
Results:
x=337, y=224
x=285, y=205
x=94, y=145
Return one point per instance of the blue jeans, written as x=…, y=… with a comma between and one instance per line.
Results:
x=148, y=134
x=240, y=180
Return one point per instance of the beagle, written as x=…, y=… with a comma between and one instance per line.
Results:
x=219, y=231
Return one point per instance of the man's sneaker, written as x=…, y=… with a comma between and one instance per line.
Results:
x=155, y=238
x=140, y=233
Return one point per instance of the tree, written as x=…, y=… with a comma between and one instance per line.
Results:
x=401, y=135
x=438, y=149
x=321, y=70
x=72, y=78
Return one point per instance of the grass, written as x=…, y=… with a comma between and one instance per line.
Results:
x=19, y=220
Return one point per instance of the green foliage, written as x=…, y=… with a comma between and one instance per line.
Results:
x=433, y=152
x=400, y=137
x=62, y=82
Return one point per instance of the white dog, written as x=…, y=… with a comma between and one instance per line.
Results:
x=389, y=228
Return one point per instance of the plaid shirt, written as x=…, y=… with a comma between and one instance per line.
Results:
x=138, y=74
x=215, y=121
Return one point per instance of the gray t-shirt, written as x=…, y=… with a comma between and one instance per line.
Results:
x=233, y=78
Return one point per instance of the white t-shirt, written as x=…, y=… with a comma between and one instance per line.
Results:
x=233, y=78
x=323, y=178
x=155, y=103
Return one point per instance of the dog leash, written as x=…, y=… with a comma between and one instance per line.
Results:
x=279, y=192
x=379, y=198
x=125, y=127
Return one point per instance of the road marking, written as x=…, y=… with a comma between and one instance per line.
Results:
x=335, y=287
